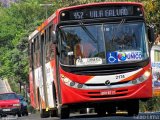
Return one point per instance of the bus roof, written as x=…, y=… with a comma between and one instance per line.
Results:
x=100, y=3
x=50, y=19
x=43, y=25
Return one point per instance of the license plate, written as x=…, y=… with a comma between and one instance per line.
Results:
x=108, y=92
x=6, y=109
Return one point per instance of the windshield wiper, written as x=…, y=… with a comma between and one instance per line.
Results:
x=88, y=33
x=114, y=33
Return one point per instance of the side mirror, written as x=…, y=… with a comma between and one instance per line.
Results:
x=151, y=35
x=21, y=98
x=54, y=40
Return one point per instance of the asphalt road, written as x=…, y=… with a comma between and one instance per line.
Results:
x=3, y=86
x=93, y=116
x=75, y=116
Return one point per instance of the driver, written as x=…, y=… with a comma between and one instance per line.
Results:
x=84, y=49
x=127, y=41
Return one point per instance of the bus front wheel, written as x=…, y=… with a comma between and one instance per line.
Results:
x=100, y=110
x=133, y=108
x=111, y=110
x=63, y=112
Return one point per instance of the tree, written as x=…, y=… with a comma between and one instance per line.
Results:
x=17, y=23
x=153, y=13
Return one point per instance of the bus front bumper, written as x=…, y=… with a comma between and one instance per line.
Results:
x=139, y=91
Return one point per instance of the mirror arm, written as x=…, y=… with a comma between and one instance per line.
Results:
x=151, y=35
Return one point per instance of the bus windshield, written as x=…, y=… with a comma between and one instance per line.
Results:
x=105, y=43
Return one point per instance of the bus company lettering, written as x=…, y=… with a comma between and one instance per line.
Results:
x=134, y=55
x=93, y=60
x=108, y=13
x=129, y=56
x=89, y=61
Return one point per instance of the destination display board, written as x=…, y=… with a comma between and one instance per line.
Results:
x=101, y=12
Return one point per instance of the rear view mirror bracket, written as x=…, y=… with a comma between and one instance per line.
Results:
x=151, y=34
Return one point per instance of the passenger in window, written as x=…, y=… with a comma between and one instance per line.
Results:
x=128, y=39
x=85, y=49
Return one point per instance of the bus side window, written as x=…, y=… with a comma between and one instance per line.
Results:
x=34, y=53
x=47, y=45
x=51, y=47
x=42, y=49
x=30, y=53
x=38, y=51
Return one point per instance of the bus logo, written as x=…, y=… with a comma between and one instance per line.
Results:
x=122, y=56
x=107, y=82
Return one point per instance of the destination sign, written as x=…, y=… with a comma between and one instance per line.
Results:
x=101, y=12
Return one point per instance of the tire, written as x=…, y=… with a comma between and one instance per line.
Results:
x=19, y=114
x=43, y=112
x=63, y=112
x=111, y=110
x=133, y=108
x=23, y=114
x=3, y=115
x=101, y=111
x=54, y=113
x=26, y=113
x=83, y=111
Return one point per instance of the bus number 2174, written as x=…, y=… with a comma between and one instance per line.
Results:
x=120, y=76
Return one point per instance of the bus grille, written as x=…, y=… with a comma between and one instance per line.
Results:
x=105, y=71
x=102, y=84
x=118, y=93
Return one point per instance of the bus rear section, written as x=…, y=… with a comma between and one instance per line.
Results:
x=104, y=60
x=41, y=69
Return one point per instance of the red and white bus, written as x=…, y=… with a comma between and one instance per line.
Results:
x=94, y=55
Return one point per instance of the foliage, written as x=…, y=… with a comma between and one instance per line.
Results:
x=153, y=13
x=150, y=105
x=18, y=21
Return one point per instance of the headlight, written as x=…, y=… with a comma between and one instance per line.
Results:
x=71, y=83
x=135, y=81
x=142, y=78
x=146, y=74
x=80, y=85
x=66, y=80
